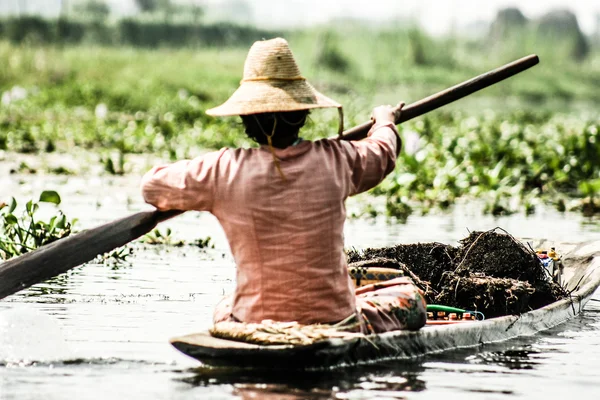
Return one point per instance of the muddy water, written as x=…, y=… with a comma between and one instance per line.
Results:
x=101, y=331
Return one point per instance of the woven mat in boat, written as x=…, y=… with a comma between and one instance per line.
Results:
x=270, y=332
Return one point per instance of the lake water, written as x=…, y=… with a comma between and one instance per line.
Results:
x=101, y=332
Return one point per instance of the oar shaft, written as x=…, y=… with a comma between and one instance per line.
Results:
x=450, y=95
x=58, y=257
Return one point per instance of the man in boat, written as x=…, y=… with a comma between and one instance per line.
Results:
x=281, y=205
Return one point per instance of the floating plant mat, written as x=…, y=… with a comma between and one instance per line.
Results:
x=491, y=272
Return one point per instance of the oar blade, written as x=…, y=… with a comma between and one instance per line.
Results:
x=58, y=257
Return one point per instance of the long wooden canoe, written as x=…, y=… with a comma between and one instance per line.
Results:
x=581, y=274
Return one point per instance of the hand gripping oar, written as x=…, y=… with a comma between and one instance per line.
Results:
x=58, y=257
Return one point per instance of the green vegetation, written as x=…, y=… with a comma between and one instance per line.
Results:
x=527, y=140
x=157, y=237
x=90, y=28
x=513, y=162
x=23, y=232
x=115, y=259
x=20, y=233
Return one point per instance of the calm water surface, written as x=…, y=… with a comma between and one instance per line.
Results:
x=101, y=332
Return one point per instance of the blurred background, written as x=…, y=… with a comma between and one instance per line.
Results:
x=118, y=78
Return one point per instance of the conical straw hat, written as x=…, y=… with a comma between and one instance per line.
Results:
x=272, y=83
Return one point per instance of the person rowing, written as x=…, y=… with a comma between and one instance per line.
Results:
x=282, y=204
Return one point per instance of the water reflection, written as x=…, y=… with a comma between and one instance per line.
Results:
x=516, y=358
x=278, y=392
x=390, y=380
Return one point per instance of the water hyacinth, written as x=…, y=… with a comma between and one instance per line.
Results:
x=25, y=231
x=510, y=161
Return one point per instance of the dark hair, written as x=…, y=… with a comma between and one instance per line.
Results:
x=258, y=126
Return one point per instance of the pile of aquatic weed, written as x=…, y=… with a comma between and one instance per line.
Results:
x=489, y=272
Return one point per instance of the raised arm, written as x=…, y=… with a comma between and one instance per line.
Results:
x=184, y=185
x=373, y=158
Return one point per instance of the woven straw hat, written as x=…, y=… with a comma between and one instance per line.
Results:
x=272, y=83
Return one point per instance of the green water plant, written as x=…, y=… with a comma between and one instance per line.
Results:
x=512, y=162
x=590, y=204
x=113, y=168
x=21, y=232
x=158, y=237
x=115, y=259
x=203, y=243
x=24, y=231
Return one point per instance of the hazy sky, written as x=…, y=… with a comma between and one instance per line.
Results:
x=437, y=16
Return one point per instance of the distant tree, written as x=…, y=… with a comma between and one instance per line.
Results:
x=329, y=54
x=416, y=39
x=150, y=6
x=561, y=27
x=94, y=9
x=511, y=16
x=167, y=8
x=508, y=21
x=146, y=5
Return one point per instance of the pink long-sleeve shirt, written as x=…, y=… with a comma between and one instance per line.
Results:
x=286, y=236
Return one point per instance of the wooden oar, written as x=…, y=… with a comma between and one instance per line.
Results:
x=450, y=95
x=58, y=257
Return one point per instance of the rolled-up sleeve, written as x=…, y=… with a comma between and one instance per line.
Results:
x=184, y=185
x=373, y=158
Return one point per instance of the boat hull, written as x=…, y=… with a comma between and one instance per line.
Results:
x=582, y=270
